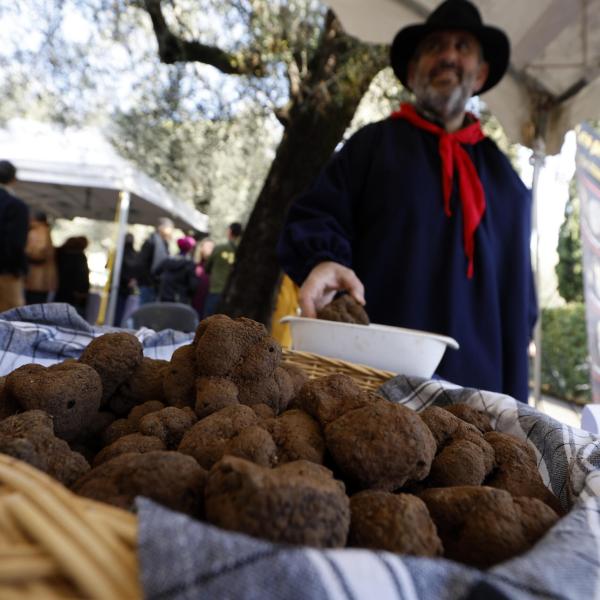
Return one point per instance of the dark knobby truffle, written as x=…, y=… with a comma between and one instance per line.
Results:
x=170, y=478
x=40, y=447
x=482, y=526
x=295, y=503
x=345, y=309
x=393, y=522
x=115, y=357
x=70, y=392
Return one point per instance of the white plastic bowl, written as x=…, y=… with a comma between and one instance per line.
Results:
x=403, y=351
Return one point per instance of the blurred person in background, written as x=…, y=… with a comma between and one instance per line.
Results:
x=219, y=267
x=177, y=274
x=154, y=251
x=14, y=225
x=41, y=279
x=128, y=279
x=73, y=273
x=422, y=217
x=205, y=247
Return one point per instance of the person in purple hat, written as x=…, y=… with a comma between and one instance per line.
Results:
x=177, y=274
x=422, y=218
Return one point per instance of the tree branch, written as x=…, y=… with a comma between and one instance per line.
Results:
x=172, y=49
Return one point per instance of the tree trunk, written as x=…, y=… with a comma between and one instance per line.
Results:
x=316, y=122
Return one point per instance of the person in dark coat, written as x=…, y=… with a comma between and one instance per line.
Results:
x=14, y=225
x=73, y=273
x=128, y=279
x=153, y=252
x=177, y=274
x=422, y=217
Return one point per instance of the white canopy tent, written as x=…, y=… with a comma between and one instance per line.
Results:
x=77, y=173
x=553, y=81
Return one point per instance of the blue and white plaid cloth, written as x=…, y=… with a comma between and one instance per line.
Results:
x=50, y=333
x=182, y=558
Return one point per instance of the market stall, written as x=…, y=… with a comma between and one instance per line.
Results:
x=70, y=173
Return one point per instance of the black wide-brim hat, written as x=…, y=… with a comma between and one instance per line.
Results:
x=452, y=15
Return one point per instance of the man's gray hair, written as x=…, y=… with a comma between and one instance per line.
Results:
x=165, y=222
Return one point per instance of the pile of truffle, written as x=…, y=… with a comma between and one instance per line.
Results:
x=227, y=433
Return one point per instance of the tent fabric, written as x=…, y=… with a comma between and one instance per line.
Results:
x=553, y=80
x=71, y=173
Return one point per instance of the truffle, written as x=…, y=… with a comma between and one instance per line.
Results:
x=122, y=427
x=327, y=398
x=8, y=406
x=213, y=394
x=70, y=392
x=463, y=456
x=295, y=503
x=392, y=522
x=297, y=436
x=29, y=436
x=380, y=446
x=168, y=424
x=170, y=478
x=240, y=351
x=133, y=442
x=517, y=471
x=482, y=526
x=115, y=357
x=179, y=378
x=145, y=383
x=345, y=309
x=298, y=377
x=223, y=343
x=470, y=415
x=208, y=439
x=254, y=444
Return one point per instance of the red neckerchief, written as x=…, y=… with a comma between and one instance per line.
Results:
x=453, y=156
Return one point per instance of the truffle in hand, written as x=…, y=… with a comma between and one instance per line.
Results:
x=345, y=309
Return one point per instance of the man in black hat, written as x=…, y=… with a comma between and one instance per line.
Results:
x=423, y=217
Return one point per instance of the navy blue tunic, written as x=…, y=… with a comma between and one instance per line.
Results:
x=377, y=207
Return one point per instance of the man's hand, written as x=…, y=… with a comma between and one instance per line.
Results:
x=322, y=284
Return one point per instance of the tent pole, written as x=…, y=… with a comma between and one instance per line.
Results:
x=537, y=160
x=124, y=200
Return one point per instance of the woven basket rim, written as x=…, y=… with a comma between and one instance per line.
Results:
x=333, y=363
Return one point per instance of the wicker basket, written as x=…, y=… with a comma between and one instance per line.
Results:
x=54, y=544
x=316, y=365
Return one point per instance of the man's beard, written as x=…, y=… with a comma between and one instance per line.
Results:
x=443, y=105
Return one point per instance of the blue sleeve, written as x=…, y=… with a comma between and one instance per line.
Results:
x=320, y=224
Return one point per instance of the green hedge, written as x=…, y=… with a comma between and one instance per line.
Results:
x=565, y=361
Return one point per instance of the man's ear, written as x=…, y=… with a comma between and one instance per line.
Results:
x=482, y=75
